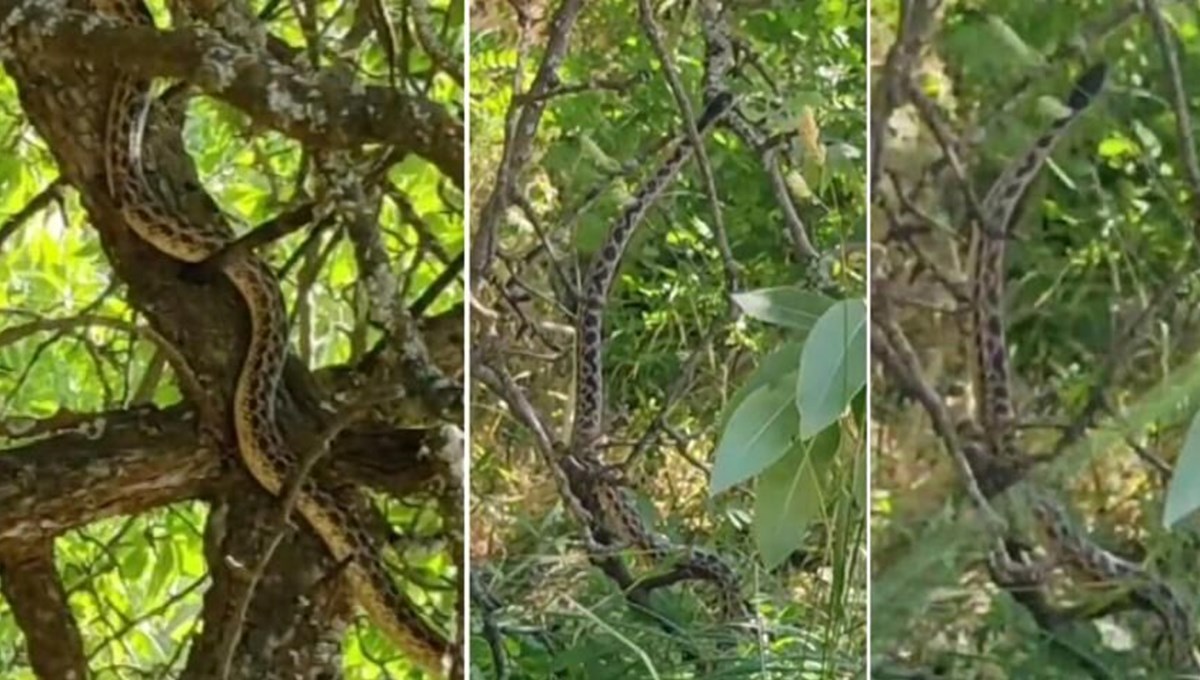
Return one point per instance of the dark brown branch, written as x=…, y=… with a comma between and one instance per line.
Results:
x=917, y=24
x=35, y=204
x=717, y=43
x=892, y=349
x=520, y=129
x=272, y=230
x=30, y=584
x=451, y=273
x=138, y=460
x=671, y=74
x=327, y=110
x=593, y=84
x=949, y=145
x=431, y=42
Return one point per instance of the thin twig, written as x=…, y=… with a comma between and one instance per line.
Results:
x=1179, y=99
x=654, y=33
x=523, y=123
x=35, y=204
x=892, y=348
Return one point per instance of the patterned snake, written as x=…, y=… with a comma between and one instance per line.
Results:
x=261, y=446
x=993, y=452
x=590, y=488
x=1001, y=206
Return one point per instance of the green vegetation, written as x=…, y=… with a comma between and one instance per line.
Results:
x=120, y=490
x=1100, y=304
x=734, y=363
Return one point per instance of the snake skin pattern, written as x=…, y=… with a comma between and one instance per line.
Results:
x=595, y=495
x=992, y=450
x=261, y=446
x=1001, y=205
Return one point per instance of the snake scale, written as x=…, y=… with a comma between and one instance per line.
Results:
x=591, y=490
x=993, y=451
x=261, y=446
x=1001, y=206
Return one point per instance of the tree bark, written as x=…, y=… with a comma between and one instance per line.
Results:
x=127, y=462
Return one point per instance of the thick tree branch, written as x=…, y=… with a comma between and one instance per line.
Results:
x=32, y=588
x=325, y=110
x=917, y=24
x=131, y=462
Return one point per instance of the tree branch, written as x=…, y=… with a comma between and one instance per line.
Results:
x=322, y=110
x=134, y=461
x=520, y=130
x=30, y=584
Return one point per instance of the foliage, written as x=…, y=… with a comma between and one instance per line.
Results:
x=1101, y=298
x=679, y=360
x=783, y=421
x=72, y=345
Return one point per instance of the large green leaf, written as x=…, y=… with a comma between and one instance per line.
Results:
x=780, y=366
x=787, y=306
x=1183, y=493
x=758, y=433
x=833, y=366
x=790, y=494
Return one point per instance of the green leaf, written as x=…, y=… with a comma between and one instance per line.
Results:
x=594, y=153
x=1147, y=140
x=833, y=366
x=758, y=433
x=780, y=366
x=1117, y=146
x=1019, y=50
x=1183, y=493
x=790, y=494
x=788, y=306
x=133, y=561
x=164, y=569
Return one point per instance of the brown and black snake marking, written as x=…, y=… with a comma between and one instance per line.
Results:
x=993, y=452
x=602, y=502
x=261, y=446
x=1001, y=205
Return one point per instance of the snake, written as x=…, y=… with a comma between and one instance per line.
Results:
x=260, y=444
x=992, y=229
x=597, y=497
x=991, y=448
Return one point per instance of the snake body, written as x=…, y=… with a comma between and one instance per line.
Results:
x=603, y=504
x=1001, y=205
x=993, y=451
x=1091, y=562
x=261, y=446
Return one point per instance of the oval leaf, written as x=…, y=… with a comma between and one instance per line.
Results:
x=758, y=433
x=778, y=367
x=1183, y=493
x=833, y=366
x=790, y=494
x=787, y=306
